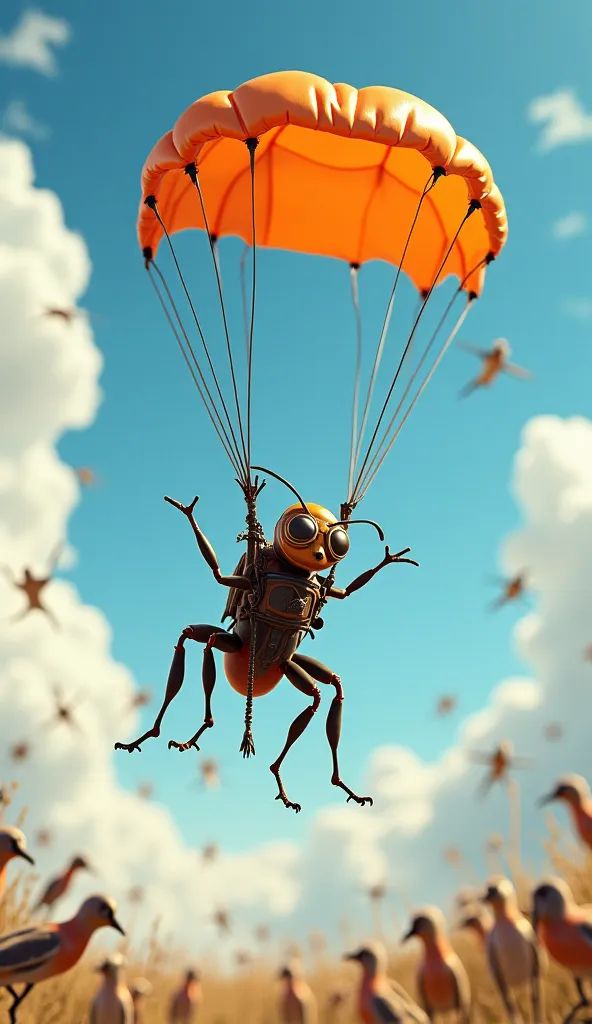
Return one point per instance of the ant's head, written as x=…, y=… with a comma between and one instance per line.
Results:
x=310, y=537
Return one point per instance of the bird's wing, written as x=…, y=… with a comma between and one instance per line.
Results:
x=495, y=968
x=461, y=984
x=409, y=1007
x=473, y=349
x=423, y=995
x=585, y=929
x=385, y=1010
x=517, y=371
x=27, y=950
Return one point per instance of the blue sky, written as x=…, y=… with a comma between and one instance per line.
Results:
x=127, y=74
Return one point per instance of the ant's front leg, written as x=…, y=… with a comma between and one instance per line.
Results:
x=174, y=681
x=222, y=641
x=324, y=675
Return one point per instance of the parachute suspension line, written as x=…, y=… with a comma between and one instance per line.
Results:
x=437, y=173
x=151, y=202
x=354, y=270
x=191, y=171
x=243, y=269
x=424, y=383
x=441, y=322
x=251, y=146
x=473, y=205
x=219, y=429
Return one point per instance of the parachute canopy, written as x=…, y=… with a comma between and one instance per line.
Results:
x=339, y=173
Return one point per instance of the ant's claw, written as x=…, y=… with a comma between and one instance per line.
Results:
x=130, y=747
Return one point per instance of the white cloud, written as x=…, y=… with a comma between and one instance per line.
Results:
x=31, y=42
x=564, y=119
x=570, y=226
x=16, y=119
x=579, y=309
x=49, y=383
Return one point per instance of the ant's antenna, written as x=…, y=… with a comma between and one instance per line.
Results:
x=288, y=485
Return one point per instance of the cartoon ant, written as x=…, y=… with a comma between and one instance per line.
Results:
x=274, y=602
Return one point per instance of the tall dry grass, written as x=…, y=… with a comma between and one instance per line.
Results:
x=249, y=995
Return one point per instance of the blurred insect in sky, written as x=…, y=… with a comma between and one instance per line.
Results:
x=43, y=837
x=140, y=699
x=513, y=589
x=277, y=592
x=60, y=313
x=445, y=705
x=221, y=919
x=136, y=894
x=64, y=712
x=453, y=856
x=553, y=731
x=588, y=653
x=19, y=752
x=209, y=853
x=145, y=790
x=33, y=586
x=495, y=361
x=86, y=476
x=242, y=958
x=499, y=762
x=209, y=772
x=262, y=933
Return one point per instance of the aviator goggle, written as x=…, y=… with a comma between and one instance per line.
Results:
x=302, y=529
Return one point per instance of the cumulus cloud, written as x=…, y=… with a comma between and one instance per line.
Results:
x=570, y=226
x=49, y=373
x=31, y=42
x=564, y=119
x=49, y=384
x=16, y=120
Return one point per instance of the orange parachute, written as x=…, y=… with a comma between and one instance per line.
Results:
x=339, y=173
x=329, y=170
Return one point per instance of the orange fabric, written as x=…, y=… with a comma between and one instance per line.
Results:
x=339, y=173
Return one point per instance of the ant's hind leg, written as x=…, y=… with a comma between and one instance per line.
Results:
x=302, y=681
x=324, y=675
x=174, y=682
x=222, y=641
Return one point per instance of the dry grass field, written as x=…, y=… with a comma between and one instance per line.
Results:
x=249, y=995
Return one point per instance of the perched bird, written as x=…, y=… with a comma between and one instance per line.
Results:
x=495, y=361
x=113, y=1003
x=296, y=1004
x=512, y=949
x=380, y=999
x=512, y=590
x=499, y=762
x=574, y=791
x=32, y=588
x=12, y=844
x=442, y=980
x=479, y=922
x=565, y=931
x=140, y=990
x=36, y=954
x=187, y=1000
x=60, y=885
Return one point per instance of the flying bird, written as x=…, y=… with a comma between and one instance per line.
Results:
x=380, y=999
x=12, y=844
x=512, y=949
x=442, y=981
x=495, y=361
x=565, y=930
x=499, y=762
x=512, y=589
x=113, y=1003
x=36, y=954
x=574, y=791
x=32, y=587
x=60, y=885
x=296, y=1004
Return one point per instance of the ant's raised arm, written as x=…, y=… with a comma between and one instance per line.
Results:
x=237, y=582
x=365, y=577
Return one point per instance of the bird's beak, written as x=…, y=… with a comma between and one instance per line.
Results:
x=547, y=799
x=351, y=956
x=25, y=855
x=115, y=924
x=409, y=935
